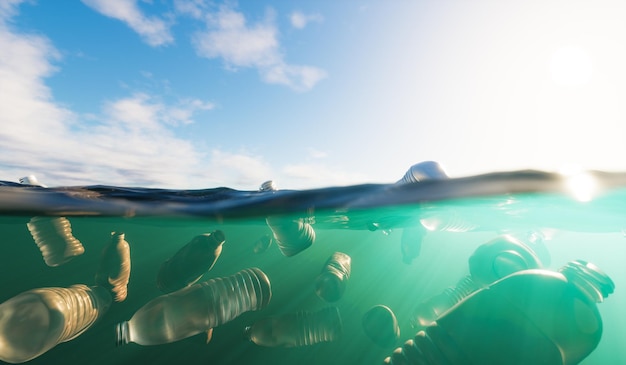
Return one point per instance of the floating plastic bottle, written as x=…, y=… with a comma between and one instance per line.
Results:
x=292, y=235
x=35, y=321
x=190, y=262
x=381, y=326
x=527, y=318
x=296, y=329
x=31, y=180
x=425, y=170
x=114, y=269
x=53, y=236
x=449, y=221
x=491, y=261
x=332, y=281
x=268, y=185
x=197, y=308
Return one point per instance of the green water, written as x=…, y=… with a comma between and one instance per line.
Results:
x=572, y=230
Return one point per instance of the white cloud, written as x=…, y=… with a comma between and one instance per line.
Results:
x=300, y=20
x=229, y=37
x=131, y=141
x=192, y=8
x=315, y=175
x=154, y=31
x=240, y=169
x=317, y=154
x=8, y=8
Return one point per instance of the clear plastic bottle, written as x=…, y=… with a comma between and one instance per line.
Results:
x=53, y=236
x=527, y=318
x=381, y=326
x=190, y=262
x=292, y=234
x=114, y=268
x=35, y=321
x=297, y=329
x=332, y=281
x=31, y=180
x=425, y=170
x=197, y=308
x=491, y=261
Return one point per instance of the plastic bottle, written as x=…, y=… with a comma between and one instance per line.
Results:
x=296, y=329
x=53, y=236
x=293, y=235
x=425, y=170
x=31, y=180
x=114, y=268
x=190, y=262
x=491, y=261
x=195, y=309
x=527, y=318
x=332, y=281
x=381, y=326
x=35, y=321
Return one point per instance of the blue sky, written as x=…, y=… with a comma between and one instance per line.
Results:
x=199, y=94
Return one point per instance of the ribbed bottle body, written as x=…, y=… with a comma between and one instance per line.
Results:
x=196, y=308
x=527, y=318
x=114, y=267
x=297, y=329
x=35, y=321
x=53, y=236
x=331, y=283
x=293, y=235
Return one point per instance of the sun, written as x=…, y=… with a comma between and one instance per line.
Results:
x=571, y=66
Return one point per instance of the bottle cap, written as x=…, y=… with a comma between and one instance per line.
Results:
x=589, y=278
x=500, y=257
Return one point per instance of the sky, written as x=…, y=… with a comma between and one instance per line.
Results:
x=190, y=94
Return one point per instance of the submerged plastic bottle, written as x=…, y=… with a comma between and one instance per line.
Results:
x=491, y=261
x=114, y=268
x=197, y=308
x=381, y=326
x=332, y=281
x=296, y=329
x=527, y=318
x=53, y=236
x=35, y=321
x=293, y=235
x=191, y=262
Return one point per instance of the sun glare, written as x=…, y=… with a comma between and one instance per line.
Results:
x=580, y=184
x=571, y=66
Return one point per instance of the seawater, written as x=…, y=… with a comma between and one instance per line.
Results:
x=365, y=222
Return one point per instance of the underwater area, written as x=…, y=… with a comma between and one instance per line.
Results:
x=517, y=263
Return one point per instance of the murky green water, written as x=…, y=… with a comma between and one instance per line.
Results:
x=592, y=231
